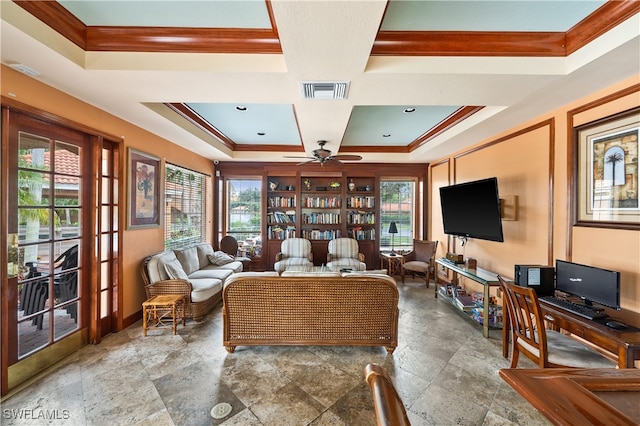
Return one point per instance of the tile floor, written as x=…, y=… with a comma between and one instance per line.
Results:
x=444, y=370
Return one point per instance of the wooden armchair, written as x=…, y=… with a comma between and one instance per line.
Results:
x=421, y=260
x=388, y=406
x=547, y=348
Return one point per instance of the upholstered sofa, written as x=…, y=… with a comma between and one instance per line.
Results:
x=310, y=309
x=198, y=272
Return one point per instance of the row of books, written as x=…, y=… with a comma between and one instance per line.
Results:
x=278, y=233
x=362, y=234
x=361, y=202
x=360, y=217
x=316, y=234
x=281, y=217
x=282, y=201
x=321, y=218
x=322, y=202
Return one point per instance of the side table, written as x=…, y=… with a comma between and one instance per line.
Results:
x=157, y=309
x=394, y=263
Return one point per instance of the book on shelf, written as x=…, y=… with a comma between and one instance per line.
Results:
x=465, y=302
x=359, y=233
x=282, y=201
x=356, y=202
x=281, y=217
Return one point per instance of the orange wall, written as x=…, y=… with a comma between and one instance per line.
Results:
x=137, y=243
x=531, y=162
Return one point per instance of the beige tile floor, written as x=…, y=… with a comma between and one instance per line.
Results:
x=444, y=370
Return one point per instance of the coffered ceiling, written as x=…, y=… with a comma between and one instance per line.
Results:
x=254, y=80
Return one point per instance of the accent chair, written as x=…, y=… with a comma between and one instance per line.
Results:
x=293, y=252
x=344, y=253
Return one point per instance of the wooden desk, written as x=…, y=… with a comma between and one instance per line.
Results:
x=622, y=345
x=570, y=396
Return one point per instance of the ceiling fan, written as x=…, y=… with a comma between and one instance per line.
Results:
x=323, y=155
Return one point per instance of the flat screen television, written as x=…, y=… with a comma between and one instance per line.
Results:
x=589, y=283
x=472, y=210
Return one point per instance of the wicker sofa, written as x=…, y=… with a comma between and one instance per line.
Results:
x=310, y=309
x=188, y=271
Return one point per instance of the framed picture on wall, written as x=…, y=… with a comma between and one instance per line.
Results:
x=144, y=191
x=606, y=172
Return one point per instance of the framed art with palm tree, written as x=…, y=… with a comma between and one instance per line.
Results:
x=605, y=178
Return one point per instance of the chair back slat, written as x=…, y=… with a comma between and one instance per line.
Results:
x=527, y=323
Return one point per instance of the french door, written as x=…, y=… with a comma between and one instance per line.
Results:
x=60, y=289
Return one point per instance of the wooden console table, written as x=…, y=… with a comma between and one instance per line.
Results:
x=571, y=396
x=623, y=345
x=486, y=278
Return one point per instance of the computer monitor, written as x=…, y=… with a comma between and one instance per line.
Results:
x=589, y=283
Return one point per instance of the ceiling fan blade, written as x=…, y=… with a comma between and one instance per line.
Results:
x=347, y=157
x=306, y=162
x=292, y=156
x=330, y=160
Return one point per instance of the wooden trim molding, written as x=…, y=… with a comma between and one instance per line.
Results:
x=454, y=119
x=57, y=17
x=392, y=43
x=188, y=40
x=606, y=17
x=189, y=114
x=154, y=39
x=464, y=43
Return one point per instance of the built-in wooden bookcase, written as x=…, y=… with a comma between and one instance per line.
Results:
x=282, y=201
x=361, y=208
x=321, y=207
x=321, y=203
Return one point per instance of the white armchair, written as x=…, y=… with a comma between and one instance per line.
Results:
x=293, y=252
x=344, y=253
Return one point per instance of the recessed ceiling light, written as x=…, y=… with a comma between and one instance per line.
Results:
x=241, y=108
x=386, y=135
x=261, y=133
x=408, y=110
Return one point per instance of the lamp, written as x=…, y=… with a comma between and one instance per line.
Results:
x=393, y=229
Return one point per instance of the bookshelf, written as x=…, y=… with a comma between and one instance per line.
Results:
x=281, y=208
x=321, y=207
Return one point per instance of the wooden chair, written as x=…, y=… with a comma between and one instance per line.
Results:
x=229, y=245
x=421, y=260
x=547, y=348
x=388, y=406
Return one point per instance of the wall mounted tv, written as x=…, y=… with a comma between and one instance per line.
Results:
x=472, y=210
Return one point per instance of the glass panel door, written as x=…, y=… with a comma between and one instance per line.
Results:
x=50, y=212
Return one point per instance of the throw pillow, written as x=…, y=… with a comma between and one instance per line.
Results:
x=175, y=271
x=220, y=258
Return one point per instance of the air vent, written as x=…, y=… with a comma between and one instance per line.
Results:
x=324, y=89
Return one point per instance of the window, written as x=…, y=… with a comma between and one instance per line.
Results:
x=397, y=205
x=184, y=213
x=244, y=211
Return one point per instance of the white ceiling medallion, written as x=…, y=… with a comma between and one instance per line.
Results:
x=324, y=89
